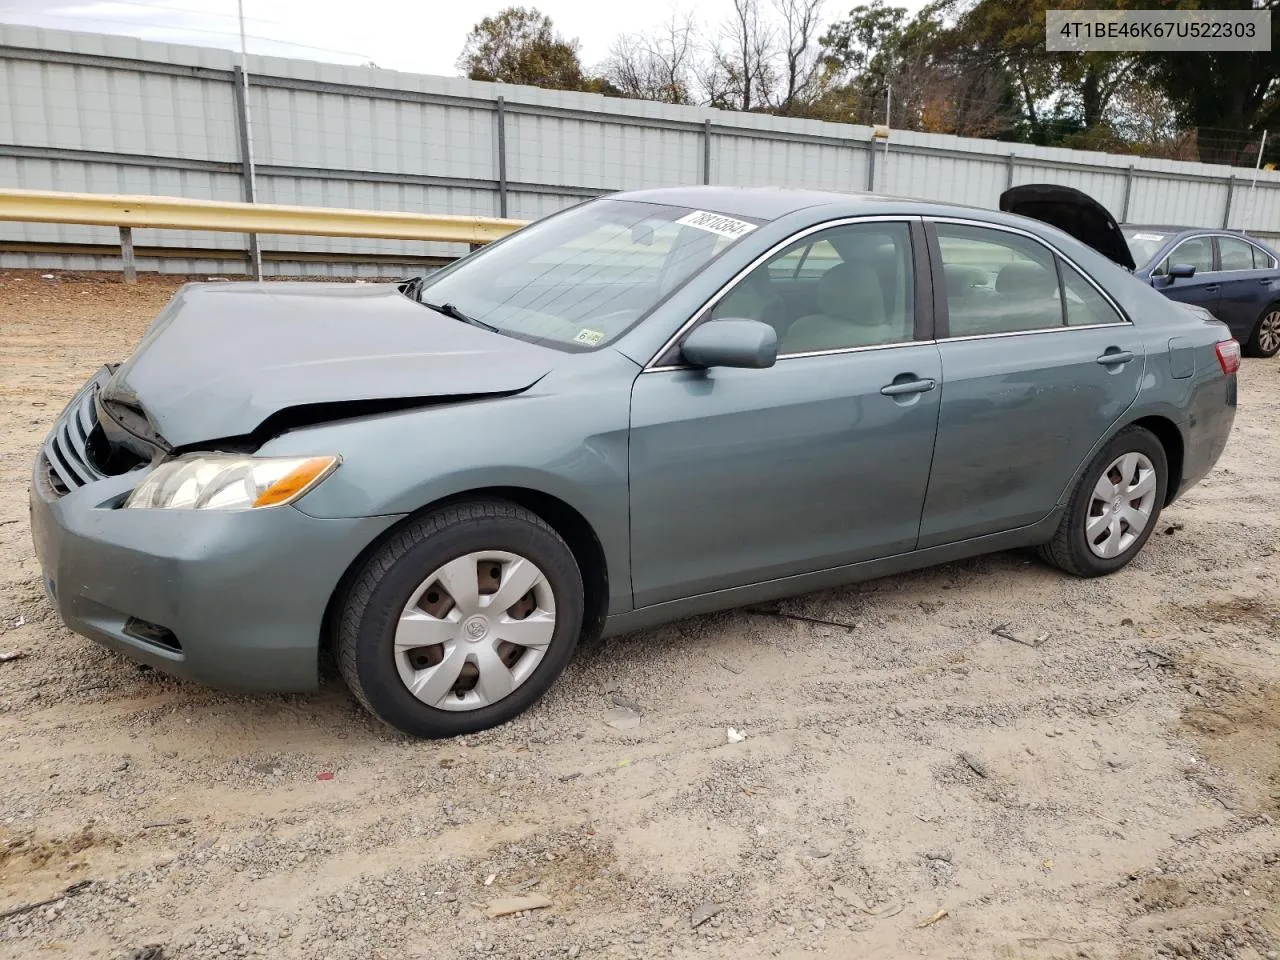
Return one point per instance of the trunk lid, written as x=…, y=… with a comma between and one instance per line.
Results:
x=1073, y=212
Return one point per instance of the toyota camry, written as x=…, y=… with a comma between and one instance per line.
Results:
x=650, y=405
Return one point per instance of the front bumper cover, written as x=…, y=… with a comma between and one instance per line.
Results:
x=242, y=593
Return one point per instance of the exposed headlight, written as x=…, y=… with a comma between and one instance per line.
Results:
x=214, y=481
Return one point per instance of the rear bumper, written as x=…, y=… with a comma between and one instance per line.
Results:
x=241, y=594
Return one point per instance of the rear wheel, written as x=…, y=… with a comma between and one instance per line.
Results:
x=1114, y=508
x=1265, y=340
x=461, y=620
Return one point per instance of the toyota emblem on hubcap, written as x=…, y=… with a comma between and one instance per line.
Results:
x=476, y=628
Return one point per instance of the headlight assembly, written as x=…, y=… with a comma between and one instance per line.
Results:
x=215, y=481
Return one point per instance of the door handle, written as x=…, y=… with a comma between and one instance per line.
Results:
x=1212, y=288
x=907, y=387
x=1115, y=357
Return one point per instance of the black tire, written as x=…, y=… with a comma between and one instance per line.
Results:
x=1254, y=347
x=379, y=591
x=1069, y=549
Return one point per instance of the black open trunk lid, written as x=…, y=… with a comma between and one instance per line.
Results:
x=1073, y=212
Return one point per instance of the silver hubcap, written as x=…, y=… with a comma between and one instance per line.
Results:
x=1121, y=505
x=474, y=630
x=1269, y=332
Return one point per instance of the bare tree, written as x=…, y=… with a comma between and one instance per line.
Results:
x=655, y=66
x=800, y=56
x=738, y=73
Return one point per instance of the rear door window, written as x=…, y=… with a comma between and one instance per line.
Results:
x=997, y=282
x=1235, y=254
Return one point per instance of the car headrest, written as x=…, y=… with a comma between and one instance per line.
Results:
x=851, y=291
x=1025, y=279
x=961, y=279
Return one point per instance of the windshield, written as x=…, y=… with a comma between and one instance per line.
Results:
x=1144, y=244
x=582, y=278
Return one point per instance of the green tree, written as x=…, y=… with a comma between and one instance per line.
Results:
x=520, y=45
x=1228, y=98
x=937, y=83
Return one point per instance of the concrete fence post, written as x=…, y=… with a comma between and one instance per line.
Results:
x=126, y=255
x=706, y=151
x=1128, y=194
x=502, y=157
x=241, y=88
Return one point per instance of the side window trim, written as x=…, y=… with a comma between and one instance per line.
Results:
x=668, y=358
x=1257, y=252
x=1268, y=261
x=942, y=324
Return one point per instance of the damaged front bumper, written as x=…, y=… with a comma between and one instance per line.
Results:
x=235, y=599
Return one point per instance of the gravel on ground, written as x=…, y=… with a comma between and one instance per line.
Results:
x=902, y=778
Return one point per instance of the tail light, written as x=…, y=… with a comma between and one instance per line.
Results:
x=1228, y=356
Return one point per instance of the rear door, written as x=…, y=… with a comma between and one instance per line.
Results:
x=1205, y=288
x=1037, y=364
x=1248, y=284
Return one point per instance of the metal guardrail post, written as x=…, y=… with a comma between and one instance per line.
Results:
x=502, y=157
x=126, y=255
x=706, y=151
x=871, y=164
x=1128, y=192
x=241, y=87
x=1226, y=212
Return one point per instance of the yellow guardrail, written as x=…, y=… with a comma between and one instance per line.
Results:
x=180, y=213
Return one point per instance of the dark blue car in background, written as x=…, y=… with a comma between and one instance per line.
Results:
x=1233, y=276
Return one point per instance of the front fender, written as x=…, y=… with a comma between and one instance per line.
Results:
x=565, y=438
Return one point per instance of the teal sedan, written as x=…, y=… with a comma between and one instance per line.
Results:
x=648, y=406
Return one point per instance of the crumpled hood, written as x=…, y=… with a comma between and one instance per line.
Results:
x=223, y=357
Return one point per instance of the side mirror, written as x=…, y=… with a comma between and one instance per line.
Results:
x=1181, y=271
x=731, y=343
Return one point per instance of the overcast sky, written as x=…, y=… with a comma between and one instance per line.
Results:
x=421, y=36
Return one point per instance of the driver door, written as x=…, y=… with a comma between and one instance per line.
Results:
x=744, y=475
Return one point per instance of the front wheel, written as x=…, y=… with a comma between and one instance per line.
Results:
x=1114, y=508
x=1265, y=340
x=461, y=620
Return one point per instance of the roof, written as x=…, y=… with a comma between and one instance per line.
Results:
x=770, y=203
x=762, y=203
x=1165, y=228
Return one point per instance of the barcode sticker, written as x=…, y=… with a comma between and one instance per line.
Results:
x=717, y=223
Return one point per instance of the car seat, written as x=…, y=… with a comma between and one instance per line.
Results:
x=852, y=314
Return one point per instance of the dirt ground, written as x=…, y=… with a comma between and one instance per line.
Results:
x=910, y=783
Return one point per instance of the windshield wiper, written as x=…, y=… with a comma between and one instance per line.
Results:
x=449, y=310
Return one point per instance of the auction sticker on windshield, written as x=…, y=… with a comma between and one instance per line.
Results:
x=717, y=223
x=1153, y=237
